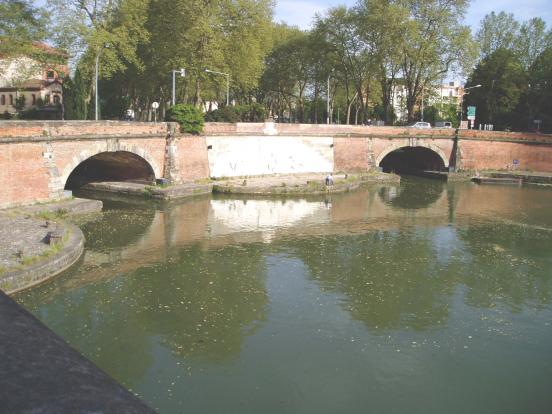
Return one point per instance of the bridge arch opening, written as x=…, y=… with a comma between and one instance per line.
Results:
x=407, y=160
x=111, y=166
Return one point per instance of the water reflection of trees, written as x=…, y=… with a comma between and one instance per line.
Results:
x=197, y=304
x=510, y=264
x=389, y=278
x=397, y=279
x=117, y=228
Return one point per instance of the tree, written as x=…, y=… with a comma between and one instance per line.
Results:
x=21, y=25
x=540, y=91
x=503, y=31
x=75, y=93
x=504, y=82
x=101, y=29
x=434, y=44
x=497, y=31
x=352, y=59
x=532, y=40
x=383, y=26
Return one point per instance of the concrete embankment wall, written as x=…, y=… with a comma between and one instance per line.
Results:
x=37, y=157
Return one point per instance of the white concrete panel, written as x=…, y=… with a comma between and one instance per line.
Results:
x=262, y=155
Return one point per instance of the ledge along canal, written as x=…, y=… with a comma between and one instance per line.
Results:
x=424, y=297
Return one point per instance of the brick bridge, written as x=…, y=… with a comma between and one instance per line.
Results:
x=39, y=160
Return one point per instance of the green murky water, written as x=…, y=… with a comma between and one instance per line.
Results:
x=419, y=298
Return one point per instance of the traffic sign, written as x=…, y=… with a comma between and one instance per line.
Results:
x=471, y=112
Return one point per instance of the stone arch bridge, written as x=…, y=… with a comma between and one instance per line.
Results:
x=39, y=160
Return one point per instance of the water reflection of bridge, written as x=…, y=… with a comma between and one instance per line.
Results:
x=211, y=223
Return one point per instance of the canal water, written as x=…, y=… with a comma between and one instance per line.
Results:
x=424, y=297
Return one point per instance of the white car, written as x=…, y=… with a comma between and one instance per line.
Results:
x=421, y=125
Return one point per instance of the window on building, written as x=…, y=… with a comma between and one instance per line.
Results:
x=47, y=99
x=11, y=99
x=33, y=97
x=3, y=100
x=50, y=74
x=56, y=99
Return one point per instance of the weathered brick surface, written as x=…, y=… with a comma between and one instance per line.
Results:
x=23, y=178
x=481, y=155
x=191, y=158
x=351, y=154
x=79, y=128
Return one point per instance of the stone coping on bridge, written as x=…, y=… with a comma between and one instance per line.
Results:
x=13, y=131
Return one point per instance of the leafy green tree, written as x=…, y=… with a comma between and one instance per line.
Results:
x=539, y=100
x=383, y=27
x=503, y=31
x=101, y=29
x=434, y=44
x=352, y=60
x=497, y=31
x=532, y=40
x=75, y=93
x=21, y=25
x=504, y=83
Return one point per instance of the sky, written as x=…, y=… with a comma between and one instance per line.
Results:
x=301, y=12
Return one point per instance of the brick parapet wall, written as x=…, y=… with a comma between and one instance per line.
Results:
x=60, y=129
x=358, y=131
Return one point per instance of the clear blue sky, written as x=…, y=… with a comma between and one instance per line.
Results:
x=301, y=12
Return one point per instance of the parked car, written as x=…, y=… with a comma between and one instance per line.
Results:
x=420, y=125
x=443, y=124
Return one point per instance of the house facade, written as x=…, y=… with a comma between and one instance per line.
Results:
x=446, y=93
x=28, y=82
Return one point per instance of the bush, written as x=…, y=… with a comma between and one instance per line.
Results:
x=254, y=112
x=188, y=116
x=242, y=113
x=224, y=114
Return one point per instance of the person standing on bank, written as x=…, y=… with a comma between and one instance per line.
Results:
x=329, y=179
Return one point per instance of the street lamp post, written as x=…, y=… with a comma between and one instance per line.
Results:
x=462, y=101
x=227, y=83
x=422, y=104
x=96, y=78
x=182, y=72
x=328, y=103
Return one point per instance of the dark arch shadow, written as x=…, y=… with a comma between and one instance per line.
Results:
x=408, y=160
x=111, y=166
